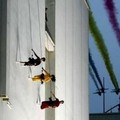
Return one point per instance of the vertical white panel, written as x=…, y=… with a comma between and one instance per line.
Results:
x=85, y=32
x=69, y=60
x=77, y=58
x=60, y=55
x=72, y=59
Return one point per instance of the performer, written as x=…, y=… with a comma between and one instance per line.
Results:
x=44, y=77
x=32, y=61
x=51, y=103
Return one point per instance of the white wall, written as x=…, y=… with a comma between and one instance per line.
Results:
x=72, y=59
x=22, y=92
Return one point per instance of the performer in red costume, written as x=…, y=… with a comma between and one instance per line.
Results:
x=51, y=103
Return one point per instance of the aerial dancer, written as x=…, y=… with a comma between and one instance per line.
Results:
x=51, y=103
x=44, y=77
x=33, y=61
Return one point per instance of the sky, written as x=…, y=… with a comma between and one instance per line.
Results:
x=102, y=20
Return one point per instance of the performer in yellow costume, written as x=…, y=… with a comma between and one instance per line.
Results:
x=44, y=77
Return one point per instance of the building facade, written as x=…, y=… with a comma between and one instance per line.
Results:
x=22, y=29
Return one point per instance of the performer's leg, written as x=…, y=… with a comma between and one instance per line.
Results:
x=36, y=79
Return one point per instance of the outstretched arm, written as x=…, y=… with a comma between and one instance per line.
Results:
x=35, y=53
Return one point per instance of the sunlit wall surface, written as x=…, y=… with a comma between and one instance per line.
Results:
x=72, y=59
x=25, y=30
